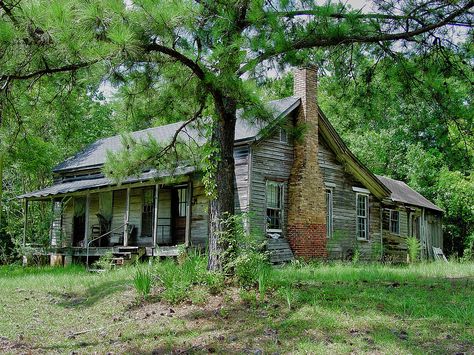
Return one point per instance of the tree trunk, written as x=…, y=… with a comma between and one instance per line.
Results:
x=223, y=206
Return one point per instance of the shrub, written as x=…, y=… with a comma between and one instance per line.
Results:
x=105, y=261
x=244, y=253
x=468, y=253
x=143, y=281
x=414, y=247
x=177, y=280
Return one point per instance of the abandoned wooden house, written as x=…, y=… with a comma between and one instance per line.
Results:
x=309, y=197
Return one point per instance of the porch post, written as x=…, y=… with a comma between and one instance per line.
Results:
x=188, y=213
x=86, y=228
x=155, y=217
x=127, y=216
x=25, y=222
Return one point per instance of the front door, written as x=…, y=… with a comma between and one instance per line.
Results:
x=178, y=214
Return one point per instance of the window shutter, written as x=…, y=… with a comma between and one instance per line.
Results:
x=386, y=219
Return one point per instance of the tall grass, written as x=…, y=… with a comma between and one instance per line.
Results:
x=143, y=282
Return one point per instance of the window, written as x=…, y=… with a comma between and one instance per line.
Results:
x=182, y=201
x=394, y=222
x=283, y=135
x=362, y=211
x=274, y=195
x=329, y=213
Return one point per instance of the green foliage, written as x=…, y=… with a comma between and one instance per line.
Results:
x=244, y=253
x=414, y=247
x=143, y=281
x=105, y=261
x=179, y=280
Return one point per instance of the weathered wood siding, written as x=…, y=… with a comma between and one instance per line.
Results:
x=395, y=245
x=270, y=160
x=241, y=157
x=118, y=214
x=344, y=241
x=67, y=220
x=199, y=215
x=135, y=216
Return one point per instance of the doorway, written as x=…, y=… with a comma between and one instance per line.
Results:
x=79, y=222
x=179, y=209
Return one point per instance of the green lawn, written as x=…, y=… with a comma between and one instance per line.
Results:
x=331, y=308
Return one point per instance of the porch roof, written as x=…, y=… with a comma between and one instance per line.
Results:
x=63, y=188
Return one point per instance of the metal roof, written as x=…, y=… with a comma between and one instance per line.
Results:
x=95, y=154
x=87, y=184
x=401, y=192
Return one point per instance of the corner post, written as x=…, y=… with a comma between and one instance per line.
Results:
x=126, y=219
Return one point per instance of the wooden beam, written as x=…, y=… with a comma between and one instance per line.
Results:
x=126, y=218
x=155, y=214
x=25, y=222
x=86, y=228
x=189, y=196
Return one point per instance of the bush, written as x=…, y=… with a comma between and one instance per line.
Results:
x=143, y=282
x=244, y=253
x=414, y=248
x=105, y=261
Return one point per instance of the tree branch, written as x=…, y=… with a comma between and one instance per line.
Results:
x=314, y=41
x=155, y=47
x=46, y=71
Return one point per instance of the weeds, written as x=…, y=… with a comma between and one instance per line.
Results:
x=413, y=245
x=143, y=282
x=105, y=261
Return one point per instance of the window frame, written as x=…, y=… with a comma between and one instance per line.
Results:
x=283, y=135
x=390, y=220
x=329, y=211
x=366, y=217
x=281, y=185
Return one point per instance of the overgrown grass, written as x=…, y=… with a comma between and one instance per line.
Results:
x=320, y=308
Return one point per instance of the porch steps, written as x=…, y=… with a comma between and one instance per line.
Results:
x=279, y=250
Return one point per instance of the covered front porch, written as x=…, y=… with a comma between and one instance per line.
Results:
x=145, y=219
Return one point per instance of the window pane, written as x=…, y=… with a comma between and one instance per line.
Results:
x=274, y=195
x=329, y=216
x=182, y=202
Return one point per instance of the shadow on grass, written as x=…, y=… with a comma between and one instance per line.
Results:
x=91, y=295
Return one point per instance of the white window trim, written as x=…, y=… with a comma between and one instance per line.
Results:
x=282, y=209
x=390, y=221
x=361, y=190
x=329, y=232
x=367, y=216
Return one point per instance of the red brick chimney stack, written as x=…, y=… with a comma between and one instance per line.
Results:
x=306, y=196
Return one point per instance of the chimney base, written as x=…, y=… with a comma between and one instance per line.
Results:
x=308, y=241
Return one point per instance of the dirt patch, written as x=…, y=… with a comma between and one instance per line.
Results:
x=7, y=345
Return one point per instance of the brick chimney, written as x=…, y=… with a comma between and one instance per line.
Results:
x=306, y=196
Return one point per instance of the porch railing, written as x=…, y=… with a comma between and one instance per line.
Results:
x=126, y=225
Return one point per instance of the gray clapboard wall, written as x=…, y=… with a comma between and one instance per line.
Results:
x=271, y=159
x=344, y=240
x=199, y=214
